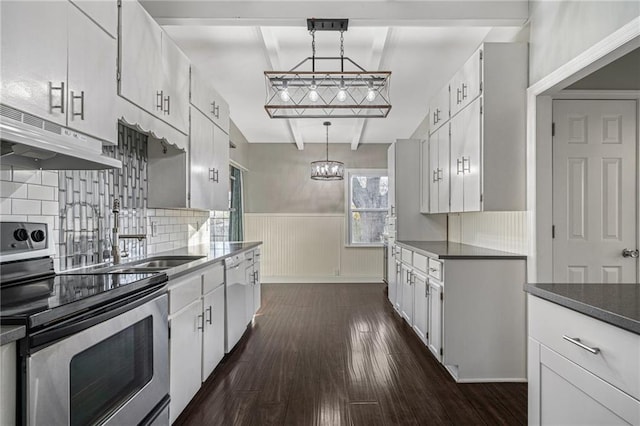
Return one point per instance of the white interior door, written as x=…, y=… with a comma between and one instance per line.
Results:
x=594, y=190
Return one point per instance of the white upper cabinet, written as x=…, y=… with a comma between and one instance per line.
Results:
x=466, y=84
x=220, y=169
x=154, y=73
x=439, y=109
x=485, y=156
x=34, y=60
x=201, y=161
x=103, y=12
x=208, y=100
x=92, y=85
x=66, y=74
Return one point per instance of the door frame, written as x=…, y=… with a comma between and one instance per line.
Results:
x=539, y=152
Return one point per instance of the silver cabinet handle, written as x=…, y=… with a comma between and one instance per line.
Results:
x=630, y=253
x=210, y=319
x=73, y=99
x=458, y=93
x=167, y=101
x=576, y=341
x=201, y=321
x=215, y=109
x=440, y=174
x=435, y=176
x=464, y=91
x=212, y=174
x=51, y=105
x=216, y=175
x=435, y=118
x=459, y=162
x=159, y=100
x=466, y=169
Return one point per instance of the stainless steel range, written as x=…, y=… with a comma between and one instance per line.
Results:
x=96, y=348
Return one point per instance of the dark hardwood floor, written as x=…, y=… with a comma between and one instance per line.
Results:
x=337, y=354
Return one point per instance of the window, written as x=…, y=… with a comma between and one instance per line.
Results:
x=227, y=225
x=367, y=200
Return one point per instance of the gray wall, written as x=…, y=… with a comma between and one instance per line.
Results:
x=561, y=30
x=622, y=74
x=239, y=154
x=279, y=180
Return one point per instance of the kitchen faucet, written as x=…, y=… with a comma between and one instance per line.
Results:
x=116, y=236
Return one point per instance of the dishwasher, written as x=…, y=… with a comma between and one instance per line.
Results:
x=236, y=288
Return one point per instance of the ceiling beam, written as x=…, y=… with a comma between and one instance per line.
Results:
x=272, y=49
x=369, y=13
x=378, y=48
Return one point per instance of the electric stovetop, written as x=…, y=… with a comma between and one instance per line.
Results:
x=48, y=299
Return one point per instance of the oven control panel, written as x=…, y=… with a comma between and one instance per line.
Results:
x=16, y=237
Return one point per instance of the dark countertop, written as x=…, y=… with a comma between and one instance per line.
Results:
x=617, y=304
x=449, y=250
x=11, y=333
x=213, y=253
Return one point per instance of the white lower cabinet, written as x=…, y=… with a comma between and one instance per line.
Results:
x=420, y=306
x=570, y=385
x=483, y=309
x=196, y=339
x=397, y=301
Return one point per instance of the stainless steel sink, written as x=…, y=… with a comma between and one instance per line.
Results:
x=165, y=262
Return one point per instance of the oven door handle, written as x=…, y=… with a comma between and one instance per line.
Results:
x=58, y=331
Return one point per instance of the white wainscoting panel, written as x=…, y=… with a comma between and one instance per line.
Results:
x=506, y=231
x=310, y=248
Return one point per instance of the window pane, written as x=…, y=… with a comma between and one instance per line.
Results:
x=369, y=192
x=367, y=227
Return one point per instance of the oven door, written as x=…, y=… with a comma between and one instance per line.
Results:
x=113, y=372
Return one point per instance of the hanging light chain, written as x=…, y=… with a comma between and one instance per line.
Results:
x=342, y=50
x=313, y=49
x=327, y=124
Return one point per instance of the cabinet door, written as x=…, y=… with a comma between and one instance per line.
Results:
x=407, y=294
x=443, y=169
x=213, y=333
x=92, y=85
x=465, y=85
x=397, y=303
x=34, y=57
x=221, y=169
x=391, y=279
x=185, y=347
x=201, y=161
x=456, y=187
x=201, y=94
x=391, y=171
x=257, y=287
x=439, y=108
x=435, y=318
x=141, y=75
x=434, y=183
x=103, y=12
x=569, y=394
x=249, y=279
x=420, y=306
x=175, y=85
x=220, y=110
x=471, y=157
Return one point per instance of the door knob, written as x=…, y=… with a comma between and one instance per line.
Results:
x=630, y=253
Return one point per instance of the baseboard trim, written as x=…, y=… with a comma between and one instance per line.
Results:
x=320, y=280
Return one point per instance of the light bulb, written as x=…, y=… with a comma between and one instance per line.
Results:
x=313, y=95
x=342, y=96
x=371, y=95
x=284, y=95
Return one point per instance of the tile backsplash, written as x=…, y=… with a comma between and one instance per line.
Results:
x=77, y=207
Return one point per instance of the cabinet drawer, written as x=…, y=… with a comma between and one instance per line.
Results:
x=213, y=277
x=184, y=291
x=407, y=256
x=397, y=252
x=420, y=262
x=435, y=269
x=619, y=350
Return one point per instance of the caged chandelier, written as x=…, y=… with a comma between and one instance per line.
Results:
x=343, y=93
x=327, y=169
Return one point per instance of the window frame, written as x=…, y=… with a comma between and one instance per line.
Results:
x=349, y=173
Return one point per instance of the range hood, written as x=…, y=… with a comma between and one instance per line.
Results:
x=30, y=142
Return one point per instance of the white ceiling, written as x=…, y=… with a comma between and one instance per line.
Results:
x=233, y=44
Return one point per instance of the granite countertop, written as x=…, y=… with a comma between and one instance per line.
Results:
x=11, y=333
x=617, y=304
x=449, y=250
